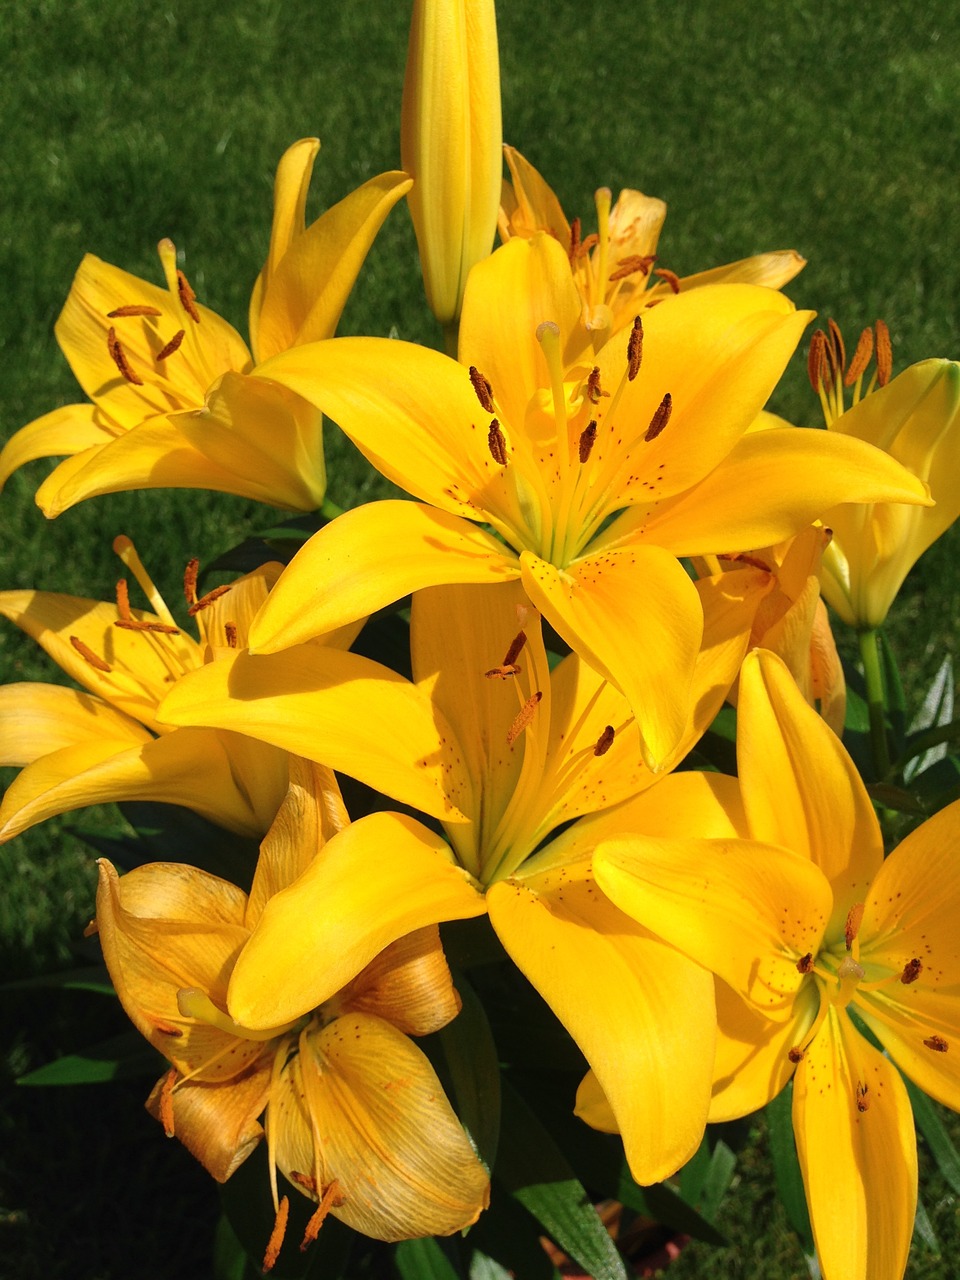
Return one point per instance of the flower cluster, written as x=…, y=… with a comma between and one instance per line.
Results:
x=607, y=538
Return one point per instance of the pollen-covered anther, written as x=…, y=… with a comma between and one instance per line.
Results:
x=634, y=349
x=863, y=1096
x=503, y=672
x=497, y=444
x=805, y=963
x=884, y=353
x=128, y=622
x=605, y=741
x=669, y=277
x=166, y=1102
x=592, y=389
x=188, y=299
x=911, y=971
x=89, y=656
x=937, y=1044
x=516, y=648
x=524, y=717
x=585, y=246
x=816, y=359
x=133, y=309
x=483, y=389
x=172, y=346
x=119, y=358
x=861, y=357
x=230, y=632
x=630, y=266
x=852, y=926
x=205, y=601
x=836, y=344
x=796, y=1054
x=588, y=438
x=660, y=418
x=332, y=1198
x=165, y=1029
x=574, y=247
x=275, y=1242
x=190, y=575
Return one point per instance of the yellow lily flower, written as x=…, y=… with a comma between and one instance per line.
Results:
x=614, y=266
x=450, y=141
x=356, y=1118
x=545, y=452
x=80, y=748
x=506, y=752
x=915, y=419
x=173, y=403
x=794, y=908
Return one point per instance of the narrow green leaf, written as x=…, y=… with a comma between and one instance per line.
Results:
x=938, y=1140
x=483, y=1267
x=717, y=1182
x=923, y=1229
x=428, y=1259
x=896, y=699
x=229, y=1257
x=474, y=1068
x=936, y=712
x=123, y=1057
x=786, y=1167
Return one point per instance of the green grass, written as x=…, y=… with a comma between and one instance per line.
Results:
x=821, y=126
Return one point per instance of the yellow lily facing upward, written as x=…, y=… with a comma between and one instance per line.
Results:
x=614, y=266
x=507, y=753
x=81, y=748
x=594, y=477
x=356, y=1118
x=173, y=403
x=812, y=935
x=916, y=419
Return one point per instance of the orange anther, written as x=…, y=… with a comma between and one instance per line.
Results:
x=119, y=358
x=669, y=277
x=592, y=390
x=207, y=600
x=188, y=299
x=884, y=353
x=660, y=418
x=190, y=574
x=332, y=1199
x=816, y=360
x=172, y=346
x=836, y=342
x=483, y=389
x=523, y=718
x=861, y=357
x=275, y=1242
x=630, y=266
x=634, y=349
x=852, y=927
x=89, y=656
x=574, y=246
x=497, y=444
x=230, y=631
x=133, y=309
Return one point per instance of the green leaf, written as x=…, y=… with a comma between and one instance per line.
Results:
x=90, y=977
x=483, y=1267
x=428, y=1259
x=893, y=686
x=786, y=1166
x=123, y=1057
x=229, y=1257
x=936, y=712
x=474, y=1069
x=923, y=1228
x=536, y=1173
x=508, y=1234
x=931, y=1126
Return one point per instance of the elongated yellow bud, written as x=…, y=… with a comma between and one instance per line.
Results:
x=451, y=143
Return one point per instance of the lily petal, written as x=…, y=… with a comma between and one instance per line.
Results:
x=67, y=430
x=219, y=1127
x=36, y=719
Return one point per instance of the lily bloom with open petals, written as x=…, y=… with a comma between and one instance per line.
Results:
x=812, y=933
x=614, y=266
x=173, y=405
x=545, y=452
x=915, y=419
x=106, y=744
x=356, y=1118
x=507, y=753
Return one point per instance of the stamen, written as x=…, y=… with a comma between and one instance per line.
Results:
x=884, y=353
x=861, y=357
x=89, y=656
x=172, y=346
x=796, y=1054
x=123, y=600
x=660, y=418
x=863, y=1098
x=592, y=390
x=133, y=309
x=585, y=246
x=166, y=1030
x=815, y=359
x=497, y=444
x=605, y=741
x=276, y=1235
x=587, y=438
x=937, y=1044
x=523, y=718
x=911, y=971
x=635, y=349
x=190, y=575
x=516, y=648
x=483, y=389
x=119, y=358
x=852, y=926
x=129, y=623
x=670, y=277
x=230, y=631
x=332, y=1199
x=207, y=600
x=805, y=963
x=629, y=266
x=836, y=340
x=504, y=672
x=574, y=247
x=124, y=548
x=188, y=299
x=166, y=1102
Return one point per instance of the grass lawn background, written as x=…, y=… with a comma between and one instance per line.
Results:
x=829, y=128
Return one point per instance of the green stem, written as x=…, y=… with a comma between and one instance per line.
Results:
x=451, y=338
x=330, y=509
x=876, y=699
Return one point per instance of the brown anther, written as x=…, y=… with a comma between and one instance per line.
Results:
x=503, y=673
x=592, y=390
x=937, y=1044
x=836, y=342
x=630, y=266
x=188, y=299
x=497, y=444
x=574, y=247
x=305, y=1181
x=137, y=624
x=133, y=309
x=588, y=438
x=805, y=963
x=275, y=1242
x=89, y=656
x=332, y=1199
x=190, y=574
x=744, y=557
x=483, y=389
x=605, y=741
x=119, y=358
x=911, y=971
x=861, y=357
x=669, y=277
x=634, y=349
x=166, y=1030
x=852, y=927
x=230, y=631
x=795, y=1054
x=523, y=718
x=205, y=601
x=584, y=247
x=172, y=346
x=816, y=359
x=516, y=648
x=884, y=353
x=166, y=1102
x=123, y=600
x=660, y=418
x=863, y=1097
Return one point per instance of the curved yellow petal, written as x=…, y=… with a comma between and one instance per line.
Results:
x=529, y=205
x=218, y=1126
x=36, y=719
x=369, y=557
x=619, y=992
x=377, y=880
x=773, y=270
x=68, y=430
x=858, y=1154
x=408, y=984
